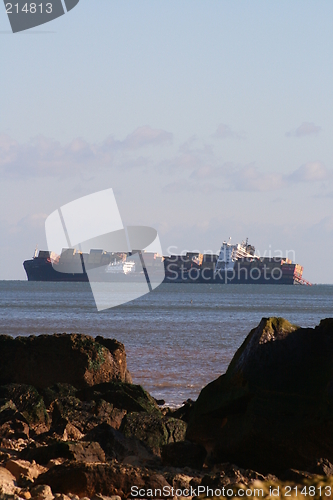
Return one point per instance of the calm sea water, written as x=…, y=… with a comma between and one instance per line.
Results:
x=177, y=338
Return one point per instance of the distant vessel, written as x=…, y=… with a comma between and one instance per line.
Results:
x=41, y=268
x=239, y=264
x=127, y=266
x=230, y=254
x=99, y=265
x=235, y=264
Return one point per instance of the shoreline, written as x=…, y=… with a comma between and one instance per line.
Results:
x=178, y=337
x=69, y=410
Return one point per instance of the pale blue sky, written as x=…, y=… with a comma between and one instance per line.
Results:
x=209, y=119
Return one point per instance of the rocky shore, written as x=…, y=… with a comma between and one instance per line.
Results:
x=74, y=426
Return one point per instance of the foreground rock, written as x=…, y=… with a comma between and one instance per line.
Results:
x=44, y=360
x=273, y=409
x=8, y=483
x=184, y=454
x=28, y=403
x=270, y=415
x=106, y=479
x=71, y=421
x=130, y=396
x=124, y=449
x=83, y=451
x=154, y=431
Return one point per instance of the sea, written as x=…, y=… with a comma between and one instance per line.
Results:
x=178, y=338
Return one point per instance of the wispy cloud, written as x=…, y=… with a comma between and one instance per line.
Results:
x=250, y=178
x=306, y=128
x=209, y=171
x=199, y=169
x=43, y=156
x=141, y=137
x=188, y=158
x=311, y=172
x=240, y=178
x=223, y=131
x=186, y=185
x=232, y=177
x=146, y=136
x=194, y=168
x=31, y=221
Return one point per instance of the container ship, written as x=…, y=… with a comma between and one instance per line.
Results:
x=235, y=264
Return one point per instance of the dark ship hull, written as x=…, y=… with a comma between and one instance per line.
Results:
x=98, y=266
x=242, y=278
x=39, y=269
x=182, y=269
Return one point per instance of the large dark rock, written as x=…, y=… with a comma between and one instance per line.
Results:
x=27, y=400
x=125, y=396
x=71, y=410
x=7, y=410
x=14, y=428
x=118, y=352
x=65, y=408
x=273, y=408
x=82, y=451
x=118, y=446
x=184, y=454
x=183, y=412
x=154, y=431
x=106, y=479
x=57, y=392
x=75, y=359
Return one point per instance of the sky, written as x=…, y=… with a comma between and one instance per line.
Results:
x=208, y=118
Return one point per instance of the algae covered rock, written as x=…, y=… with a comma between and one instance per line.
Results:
x=67, y=410
x=153, y=430
x=57, y=391
x=27, y=401
x=44, y=360
x=7, y=410
x=273, y=408
x=118, y=352
x=125, y=396
x=116, y=445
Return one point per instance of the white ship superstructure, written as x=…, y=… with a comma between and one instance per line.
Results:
x=229, y=254
x=123, y=267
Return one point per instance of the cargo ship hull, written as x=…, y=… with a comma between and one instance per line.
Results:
x=235, y=264
x=42, y=270
x=231, y=278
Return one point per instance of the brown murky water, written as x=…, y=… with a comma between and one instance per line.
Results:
x=178, y=338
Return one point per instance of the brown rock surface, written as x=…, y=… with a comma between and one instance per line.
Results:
x=82, y=451
x=116, y=445
x=21, y=468
x=7, y=482
x=75, y=359
x=106, y=479
x=273, y=408
x=153, y=430
x=41, y=492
